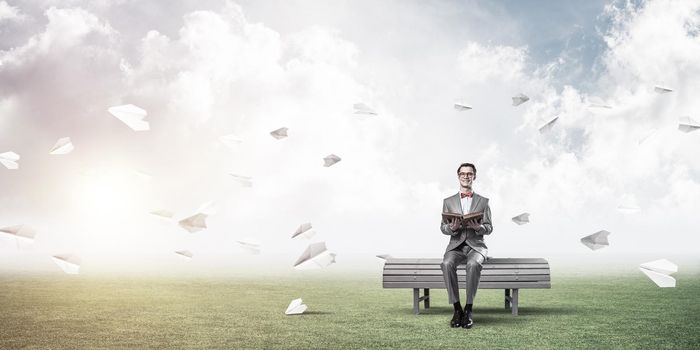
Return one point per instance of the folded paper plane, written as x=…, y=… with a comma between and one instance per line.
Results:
x=522, y=219
x=628, y=205
x=245, y=181
x=688, y=124
x=520, y=99
x=21, y=233
x=9, y=160
x=658, y=271
x=164, y=214
x=209, y=208
x=597, y=240
x=62, y=146
x=231, y=141
x=251, y=246
x=461, y=106
x=662, y=89
x=646, y=136
x=142, y=176
x=361, y=108
x=185, y=254
x=69, y=263
x=548, y=125
x=132, y=116
x=599, y=105
x=279, y=133
x=628, y=208
x=330, y=160
x=314, y=257
x=296, y=307
x=194, y=223
x=304, y=231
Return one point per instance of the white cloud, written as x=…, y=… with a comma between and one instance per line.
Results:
x=480, y=63
x=655, y=43
x=591, y=160
x=9, y=13
x=222, y=73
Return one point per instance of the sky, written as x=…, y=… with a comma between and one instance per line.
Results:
x=204, y=69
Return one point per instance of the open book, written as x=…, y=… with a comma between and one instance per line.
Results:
x=478, y=216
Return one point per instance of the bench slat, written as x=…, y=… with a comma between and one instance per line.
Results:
x=486, y=266
x=484, y=272
x=485, y=285
x=462, y=278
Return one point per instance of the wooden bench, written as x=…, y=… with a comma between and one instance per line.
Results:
x=510, y=274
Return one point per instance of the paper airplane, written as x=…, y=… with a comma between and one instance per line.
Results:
x=628, y=208
x=662, y=89
x=315, y=256
x=9, y=160
x=231, y=141
x=548, y=125
x=361, y=108
x=330, y=160
x=69, y=263
x=185, y=254
x=599, y=105
x=597, y=240
x=384, y=256
x=305, y=231
x=295, y=307
x=521, y=219
x=250, y=245
x=658, y=271
x=165, y=214
x=21, y=233
x=688, y=124
x=520, y=99
x=462, y=106
x=62, y=146
x=628, y=205
x=194, y=223
x=141, y=175
x=647, y=136
x=208, y=208
x=279, y=133
x=132, y=116
x=245, y=181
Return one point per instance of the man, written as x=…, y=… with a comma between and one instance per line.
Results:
x=466, y=243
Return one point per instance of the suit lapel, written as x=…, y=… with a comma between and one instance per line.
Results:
x=475, y=202
x=457, y=203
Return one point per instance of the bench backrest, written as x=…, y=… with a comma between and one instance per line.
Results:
x=497, y=273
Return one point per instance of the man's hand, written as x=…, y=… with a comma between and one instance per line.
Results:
x=474, y=225
x=455, y=224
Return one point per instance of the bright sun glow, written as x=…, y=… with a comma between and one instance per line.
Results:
x=110, y=207
x=107, y=194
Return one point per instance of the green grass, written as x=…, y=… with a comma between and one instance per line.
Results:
x=82, y=312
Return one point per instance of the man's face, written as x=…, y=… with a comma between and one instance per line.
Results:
x=466, y=176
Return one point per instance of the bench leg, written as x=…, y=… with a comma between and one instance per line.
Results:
x=416, y=303
x=515, y=302
x=507, y=298
x=426, y=295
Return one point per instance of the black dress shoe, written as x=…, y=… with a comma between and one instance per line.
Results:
x=457, y=319
x=467, y=321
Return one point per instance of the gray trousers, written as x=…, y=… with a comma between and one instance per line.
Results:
x=463, y=254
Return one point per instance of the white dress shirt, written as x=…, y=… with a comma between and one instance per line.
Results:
x=466, y=204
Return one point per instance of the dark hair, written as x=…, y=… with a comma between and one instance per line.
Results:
x=466, y=164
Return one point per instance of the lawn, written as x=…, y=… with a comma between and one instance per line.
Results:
x=351, y=312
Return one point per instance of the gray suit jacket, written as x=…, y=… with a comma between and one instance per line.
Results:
x=474, y=238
